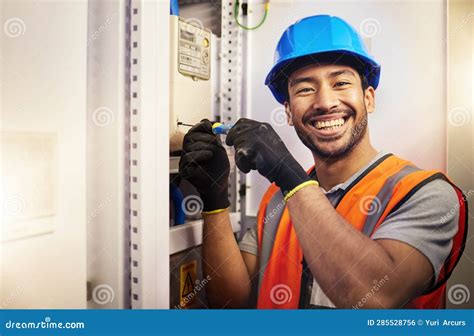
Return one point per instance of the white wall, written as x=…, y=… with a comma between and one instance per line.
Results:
x=43, y=96
x=410, y=101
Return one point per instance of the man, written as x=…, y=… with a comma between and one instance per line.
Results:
x=361, y=229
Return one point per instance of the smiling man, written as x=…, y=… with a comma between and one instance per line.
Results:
x=361, y=229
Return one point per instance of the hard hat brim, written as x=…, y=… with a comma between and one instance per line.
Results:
x=280, y=72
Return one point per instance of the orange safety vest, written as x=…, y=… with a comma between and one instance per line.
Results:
x=390, y=181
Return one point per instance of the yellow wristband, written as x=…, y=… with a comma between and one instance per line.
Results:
x=213, y=212
x=299, y=187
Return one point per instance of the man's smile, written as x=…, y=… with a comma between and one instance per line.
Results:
x=329, y=126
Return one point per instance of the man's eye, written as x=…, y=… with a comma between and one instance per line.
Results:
x=339, y=84
x=303, y=90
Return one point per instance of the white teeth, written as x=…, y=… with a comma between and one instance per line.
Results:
x=331, y=123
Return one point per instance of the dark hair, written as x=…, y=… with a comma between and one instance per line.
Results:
x=363, y=80
x=339, y=59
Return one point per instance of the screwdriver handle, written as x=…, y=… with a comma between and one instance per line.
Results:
x=219, y=128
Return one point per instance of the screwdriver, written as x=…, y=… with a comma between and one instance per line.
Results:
x=217, y=127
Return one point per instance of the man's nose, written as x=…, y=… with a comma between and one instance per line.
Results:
x=325, y=99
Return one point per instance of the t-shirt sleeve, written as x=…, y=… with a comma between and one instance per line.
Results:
x=249, y=241
x=428, y=221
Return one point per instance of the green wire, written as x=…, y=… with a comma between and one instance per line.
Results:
x=236, y=14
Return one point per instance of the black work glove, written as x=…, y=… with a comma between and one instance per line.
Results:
x=204, y=163
x=258, y=146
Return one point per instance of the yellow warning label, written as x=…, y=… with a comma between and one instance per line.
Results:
x=188, y=277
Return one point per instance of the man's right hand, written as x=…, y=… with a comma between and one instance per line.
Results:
x=204, y=164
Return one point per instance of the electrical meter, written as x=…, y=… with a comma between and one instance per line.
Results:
x=190, y=72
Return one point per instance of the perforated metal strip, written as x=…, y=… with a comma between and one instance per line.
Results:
x=134, y=52
x=231, y=82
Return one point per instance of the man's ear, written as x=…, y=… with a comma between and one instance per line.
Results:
x=369, y=99
x=289, y=118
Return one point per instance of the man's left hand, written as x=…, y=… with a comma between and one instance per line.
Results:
x=258, y=147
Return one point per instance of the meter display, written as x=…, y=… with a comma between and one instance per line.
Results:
x=194, y=50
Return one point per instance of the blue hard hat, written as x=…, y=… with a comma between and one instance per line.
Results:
x=316, y=38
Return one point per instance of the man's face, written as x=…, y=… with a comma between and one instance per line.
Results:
x=328, y=108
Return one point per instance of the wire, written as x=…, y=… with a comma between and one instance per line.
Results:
x=236, y=16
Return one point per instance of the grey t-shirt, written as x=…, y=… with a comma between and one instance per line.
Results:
x=425, y=221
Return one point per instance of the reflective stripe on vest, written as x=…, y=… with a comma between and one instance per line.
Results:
x=365, y=204
x=273, y=215
x=379, y=203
